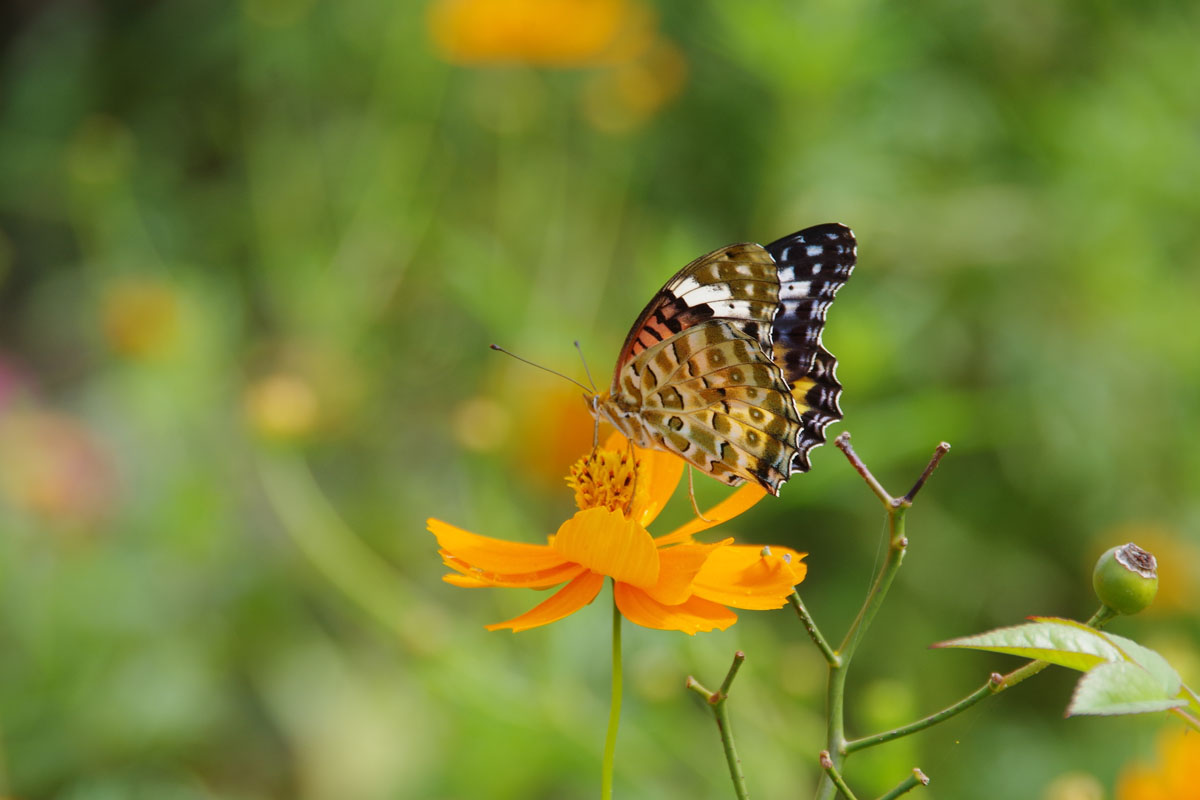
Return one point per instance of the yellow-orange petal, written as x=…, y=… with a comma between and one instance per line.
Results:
x=493, y=555
x=1140, y=784
x=742, y=577
x=677, y=568
x=465, y=581
x=794, y=559
x=741, y=500
x=1181, y=757
x=693, y=616
x=608, y=543
x=466, y=575
x=563, y=603
x=658, y=471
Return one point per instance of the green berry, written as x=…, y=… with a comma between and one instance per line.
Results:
x=1126, y=578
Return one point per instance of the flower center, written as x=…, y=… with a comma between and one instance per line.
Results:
x=606, y=479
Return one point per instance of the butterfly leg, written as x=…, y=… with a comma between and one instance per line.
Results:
x=692, y=494
x=632, y=460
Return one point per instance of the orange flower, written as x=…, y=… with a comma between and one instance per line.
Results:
x=560, y=33
x=1175, y=777
x=670, y=582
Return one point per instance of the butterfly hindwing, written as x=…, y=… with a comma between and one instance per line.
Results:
x=711, y=395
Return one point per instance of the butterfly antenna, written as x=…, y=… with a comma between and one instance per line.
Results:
x=500, y=349
x=586, y=371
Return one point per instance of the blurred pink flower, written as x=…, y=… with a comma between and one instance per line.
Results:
x=53, y=467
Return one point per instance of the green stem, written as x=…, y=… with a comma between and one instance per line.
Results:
x=897, y=545
x=716, y=701
x=810, y=625
x=908, y=784
x=614, y=712
x=989, y=688
x=995, y=684
x=835, y=777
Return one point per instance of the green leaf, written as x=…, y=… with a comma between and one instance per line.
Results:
x=1067, y=645
x=1121, y=688
x=1134, y=653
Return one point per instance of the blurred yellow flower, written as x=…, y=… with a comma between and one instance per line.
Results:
x=670, y=582
x=300, y=389
x=140, y=317
x=556, y=33
x=1176, y=776
x=282, y=406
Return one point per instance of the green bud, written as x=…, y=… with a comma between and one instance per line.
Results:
x=1126, y=579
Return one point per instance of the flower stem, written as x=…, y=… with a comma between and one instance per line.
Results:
x=614, y=712
x=716, y=701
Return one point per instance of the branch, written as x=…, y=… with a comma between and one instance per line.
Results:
x=906, y=785
x=995, y=684
x=716, y=702
x=810, y=625
x=832, y=771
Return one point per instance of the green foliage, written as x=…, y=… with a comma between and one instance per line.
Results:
x=1121, y=676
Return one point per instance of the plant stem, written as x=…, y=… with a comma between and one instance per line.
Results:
x=814, y=632
x=614, y=712
x=906, y=785
x=835, y=777
x=716, y=701
x=989, y=688
x=897, y=545
x=995, y=684
x=1187, y=718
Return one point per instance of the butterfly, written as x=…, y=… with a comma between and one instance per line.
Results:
x=725, y=365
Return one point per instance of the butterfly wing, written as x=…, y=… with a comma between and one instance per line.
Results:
x=738, y=284
x=712, y=395
x=725, y=365
x=812, y=265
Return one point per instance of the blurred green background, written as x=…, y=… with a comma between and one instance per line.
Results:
x=251, y=257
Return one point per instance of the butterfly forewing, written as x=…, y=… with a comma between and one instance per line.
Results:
x=736, y=283
x=725, y=366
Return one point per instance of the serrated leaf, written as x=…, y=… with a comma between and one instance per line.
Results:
x=1121, y=687
x=1067, y=645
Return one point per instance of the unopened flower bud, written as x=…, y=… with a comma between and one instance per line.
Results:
x=1126, y=578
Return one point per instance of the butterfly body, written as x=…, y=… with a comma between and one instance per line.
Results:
x=725, y=366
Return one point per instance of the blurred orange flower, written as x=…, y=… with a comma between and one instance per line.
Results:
x=621, y=98
x=670, y=582
x=643, y=70
x=557, y=33
x=1176, y=776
